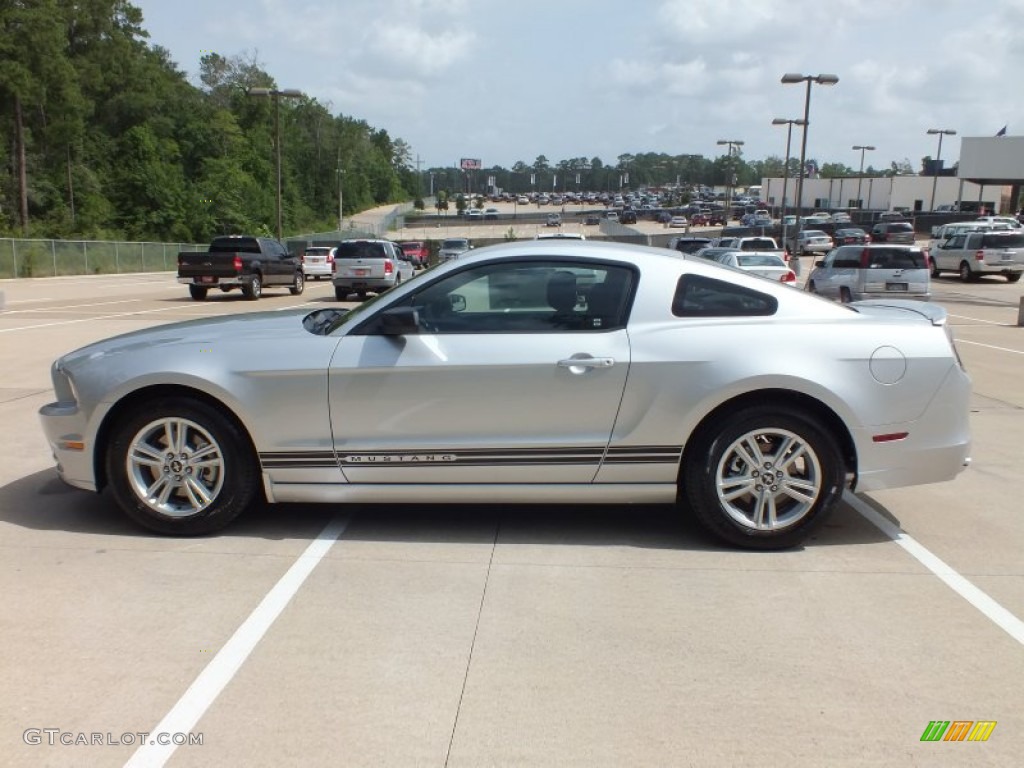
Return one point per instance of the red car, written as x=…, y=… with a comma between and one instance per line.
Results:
x=417, y=252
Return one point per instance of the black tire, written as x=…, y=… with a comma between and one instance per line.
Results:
x=299, y=285
x=844, y=295
x=811, y=288
x=772, y=433
x=253, y=287
x=966, y=275
x=340, y=293
x=217, y=461
x=197, y=292
x=1013, y=277
x=361, y=295
x=935, y=269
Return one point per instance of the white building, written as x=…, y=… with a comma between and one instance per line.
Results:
x=991, y=171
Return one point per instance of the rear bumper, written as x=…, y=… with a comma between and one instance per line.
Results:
x=216, y=282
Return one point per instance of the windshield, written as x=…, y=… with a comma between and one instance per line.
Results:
x=455, y=244
x=759, y=260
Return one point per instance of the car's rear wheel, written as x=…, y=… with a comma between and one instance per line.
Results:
x=253, y=287
x=197, y=292
x=845, y=296
x=1013, y=277
x=179, y=466
x=966, y=274
x=340, y=293
x=361, y=295
x=763, y=477
x=299, y=285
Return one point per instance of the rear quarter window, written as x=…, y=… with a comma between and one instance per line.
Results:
x=699, y=296
x=904, y=227
x=1003, y=241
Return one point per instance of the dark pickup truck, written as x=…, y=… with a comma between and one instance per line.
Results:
x=238, y=261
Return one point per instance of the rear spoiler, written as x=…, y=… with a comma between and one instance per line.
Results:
x=933, y=313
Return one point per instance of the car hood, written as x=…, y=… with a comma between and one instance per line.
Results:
x=232, y=328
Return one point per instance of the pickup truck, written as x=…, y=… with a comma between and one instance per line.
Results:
x=239, y=261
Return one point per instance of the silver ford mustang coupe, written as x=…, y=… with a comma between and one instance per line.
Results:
x=536, y=371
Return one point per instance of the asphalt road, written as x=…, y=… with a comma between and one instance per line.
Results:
x=506, y=636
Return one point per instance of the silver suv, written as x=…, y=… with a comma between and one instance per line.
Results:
x=855, y=272
x=973, y=254
x=368, y=265
x=452, y=248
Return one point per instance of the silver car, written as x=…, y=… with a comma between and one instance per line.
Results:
x=856, y=272
x=555, y=371
x=452, y=248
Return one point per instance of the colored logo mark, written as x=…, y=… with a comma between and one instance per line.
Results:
x=958, y=730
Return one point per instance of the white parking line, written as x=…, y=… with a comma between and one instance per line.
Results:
x=1001, y=617
x=222, y=668
x=69, y=307
x=989, y=346
x=88, y=319
x=977, y=320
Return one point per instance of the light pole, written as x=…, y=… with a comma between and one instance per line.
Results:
x=276, y=94
x=860, y=179
x=732, y=177
x=341, y=215
x=938, y=156
x=788, y=79
x=785, y=170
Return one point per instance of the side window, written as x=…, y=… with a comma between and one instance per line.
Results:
x=526, y=297
x=956, y=241
x=846, y=258
x=698, y=296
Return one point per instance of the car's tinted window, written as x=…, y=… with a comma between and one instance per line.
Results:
x=361, y=250
x=1012, y=240
x=846, y=258
x=699, y=296
x=526, y=297
x=757, y=244
x=899, y=227
x=896, y=258
x=759, y=260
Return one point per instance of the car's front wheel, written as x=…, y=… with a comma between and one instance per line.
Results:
x=763, y=477
x=179, y=466
x=935, y=269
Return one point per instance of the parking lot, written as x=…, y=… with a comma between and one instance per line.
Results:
x=496, y=635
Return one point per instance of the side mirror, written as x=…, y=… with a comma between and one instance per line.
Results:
x=458, y=302
x=399, y=321
x=820, y=263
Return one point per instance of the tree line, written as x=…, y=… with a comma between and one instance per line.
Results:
x=108, y=139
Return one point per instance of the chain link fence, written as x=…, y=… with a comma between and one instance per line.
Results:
x=50, y=258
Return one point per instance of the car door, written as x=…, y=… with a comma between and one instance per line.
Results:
x=947, y=255
x=514, y=374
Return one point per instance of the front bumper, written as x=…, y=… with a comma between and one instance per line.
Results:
x=64, y=427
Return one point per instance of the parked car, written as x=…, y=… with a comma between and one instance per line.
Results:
x=490, y=213
x=689, y=244
x=973, y=254
x=559, y=236
x=627, y=217
x=240, y=262
x=850, y=236
x=318, y=261
x=362, y=266
x=840, y=217
x=597, y=373
x=816, y=219
x=893, y=232
x=811, y=241
x=678, y=221
x=770, y=265
x=452, y=248
x=856, y=272
x=553, y=220
x=475, y=214
x=417, y=251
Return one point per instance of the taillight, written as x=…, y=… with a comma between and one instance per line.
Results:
x=865, y=259
x=330, y=257
x=388, y=267
x=788, y=277
x=238, y=264
x=979, y=255
x=867, y=238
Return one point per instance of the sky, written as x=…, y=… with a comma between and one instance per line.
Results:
x=510, y=80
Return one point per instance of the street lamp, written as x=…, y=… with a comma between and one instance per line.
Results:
x=860, y=180
x=788, y=79
x=341, y=215
x=785, y=170
x=728, y=192
x=276, y=94
x=938, y=156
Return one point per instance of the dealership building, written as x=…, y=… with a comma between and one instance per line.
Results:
x=990, y=174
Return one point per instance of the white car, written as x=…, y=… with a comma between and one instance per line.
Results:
x=812, y=241
x=769, y=265
x=318, y=261
x=555, y=372
x=678, y=221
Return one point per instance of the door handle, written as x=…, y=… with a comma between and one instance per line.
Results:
x=579, y=364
